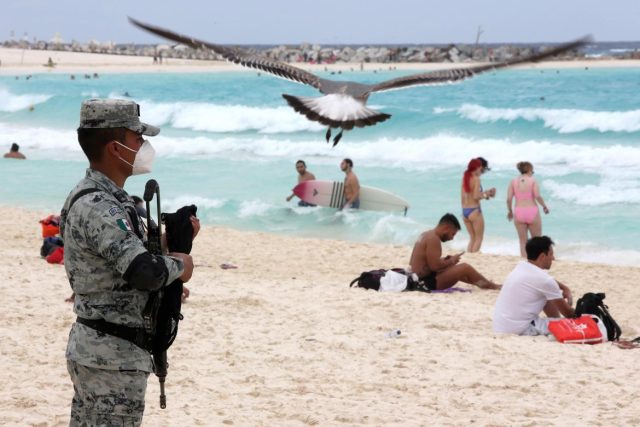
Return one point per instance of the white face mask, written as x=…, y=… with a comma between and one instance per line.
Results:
x=144, y=158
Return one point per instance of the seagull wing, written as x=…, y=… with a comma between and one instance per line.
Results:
x=237, y=56
x=458, y=74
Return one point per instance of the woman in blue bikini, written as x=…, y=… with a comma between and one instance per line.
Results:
x=471, y=194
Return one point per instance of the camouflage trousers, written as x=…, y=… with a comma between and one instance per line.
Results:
x=106, y=397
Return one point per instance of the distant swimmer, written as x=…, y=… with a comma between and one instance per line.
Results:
x=525, y=215
x=438, y=272
x=126, y=94
x=14, y=153
x=303, y=175
x=351, y=186
x=343, y=104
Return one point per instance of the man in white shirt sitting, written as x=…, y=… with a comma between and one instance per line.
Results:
x=528, y=290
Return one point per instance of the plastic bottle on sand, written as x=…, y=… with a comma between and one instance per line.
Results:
x=393, y=334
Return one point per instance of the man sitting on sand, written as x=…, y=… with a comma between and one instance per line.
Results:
x=438, y=272
x=529, y=290
x=303, y=175
x=14, y=153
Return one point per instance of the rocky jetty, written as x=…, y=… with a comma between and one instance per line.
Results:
x=317, y=54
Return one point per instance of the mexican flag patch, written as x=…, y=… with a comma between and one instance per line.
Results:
x=124, y=225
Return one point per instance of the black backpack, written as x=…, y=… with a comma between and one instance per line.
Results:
x=371, y=280
x=592, y=303
x=50, y=244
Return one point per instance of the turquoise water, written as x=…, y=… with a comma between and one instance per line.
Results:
x=229, y=143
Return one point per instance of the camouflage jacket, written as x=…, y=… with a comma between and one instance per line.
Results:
x=99, y=246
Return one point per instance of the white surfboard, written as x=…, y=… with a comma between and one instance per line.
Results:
x=331, y=194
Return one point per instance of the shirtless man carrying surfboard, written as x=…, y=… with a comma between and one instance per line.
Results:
x=439, y=272
x=351, y=186
x=303, y=175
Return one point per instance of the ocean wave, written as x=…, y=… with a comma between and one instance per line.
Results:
x=587, y=252
x=607, y=192
x=562, y=120
x=412, y=154
x=11, y=103
x=44, y=143
x=252, y=208
x=173, y=204
x=227, y=118
x=593, y=253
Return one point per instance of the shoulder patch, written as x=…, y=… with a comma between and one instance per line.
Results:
x=115, y=210
x=124, y=224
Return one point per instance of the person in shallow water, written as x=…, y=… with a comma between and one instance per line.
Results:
x=525, y=214
x=351, y=186
x=14, y=153
x=471, y=193
x=303, y=175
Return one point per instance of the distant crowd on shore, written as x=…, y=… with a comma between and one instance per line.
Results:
x=317, y=54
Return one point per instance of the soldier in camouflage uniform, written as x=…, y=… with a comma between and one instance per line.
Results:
x=109, y=268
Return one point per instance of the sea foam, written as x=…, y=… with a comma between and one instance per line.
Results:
x=562, y=120
x=412, y=154
x=227, y=118
x=10, y=102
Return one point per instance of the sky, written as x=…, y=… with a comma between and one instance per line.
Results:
x=325, y=21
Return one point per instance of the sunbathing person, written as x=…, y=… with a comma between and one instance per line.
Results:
x=438, y=272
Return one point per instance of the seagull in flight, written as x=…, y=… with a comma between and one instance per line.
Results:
x=343, y=104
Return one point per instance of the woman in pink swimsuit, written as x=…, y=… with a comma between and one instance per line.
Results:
x=525, y=214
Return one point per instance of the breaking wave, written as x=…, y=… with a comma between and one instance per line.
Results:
x=562, y=120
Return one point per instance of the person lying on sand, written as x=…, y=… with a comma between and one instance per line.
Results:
x=528, y=290
x=438, y=272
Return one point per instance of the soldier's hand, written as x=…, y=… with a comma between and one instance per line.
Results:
x=187, y=261
x=195, y=223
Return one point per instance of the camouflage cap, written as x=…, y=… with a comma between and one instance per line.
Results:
x=114, y=113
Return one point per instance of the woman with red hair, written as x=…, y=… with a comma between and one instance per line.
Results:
x=471, y=195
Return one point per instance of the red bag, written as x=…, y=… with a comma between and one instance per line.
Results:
x=56, y=257
x=583, y=330
x=50, y=226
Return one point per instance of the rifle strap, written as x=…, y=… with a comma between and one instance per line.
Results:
x=137, y=336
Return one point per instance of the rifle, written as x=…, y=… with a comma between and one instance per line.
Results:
x=150, y=315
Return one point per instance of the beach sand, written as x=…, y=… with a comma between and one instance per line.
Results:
x=24, y=61
x=283, y=341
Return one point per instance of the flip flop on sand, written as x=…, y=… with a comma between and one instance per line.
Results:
x=227, y=266
x=628, y=345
